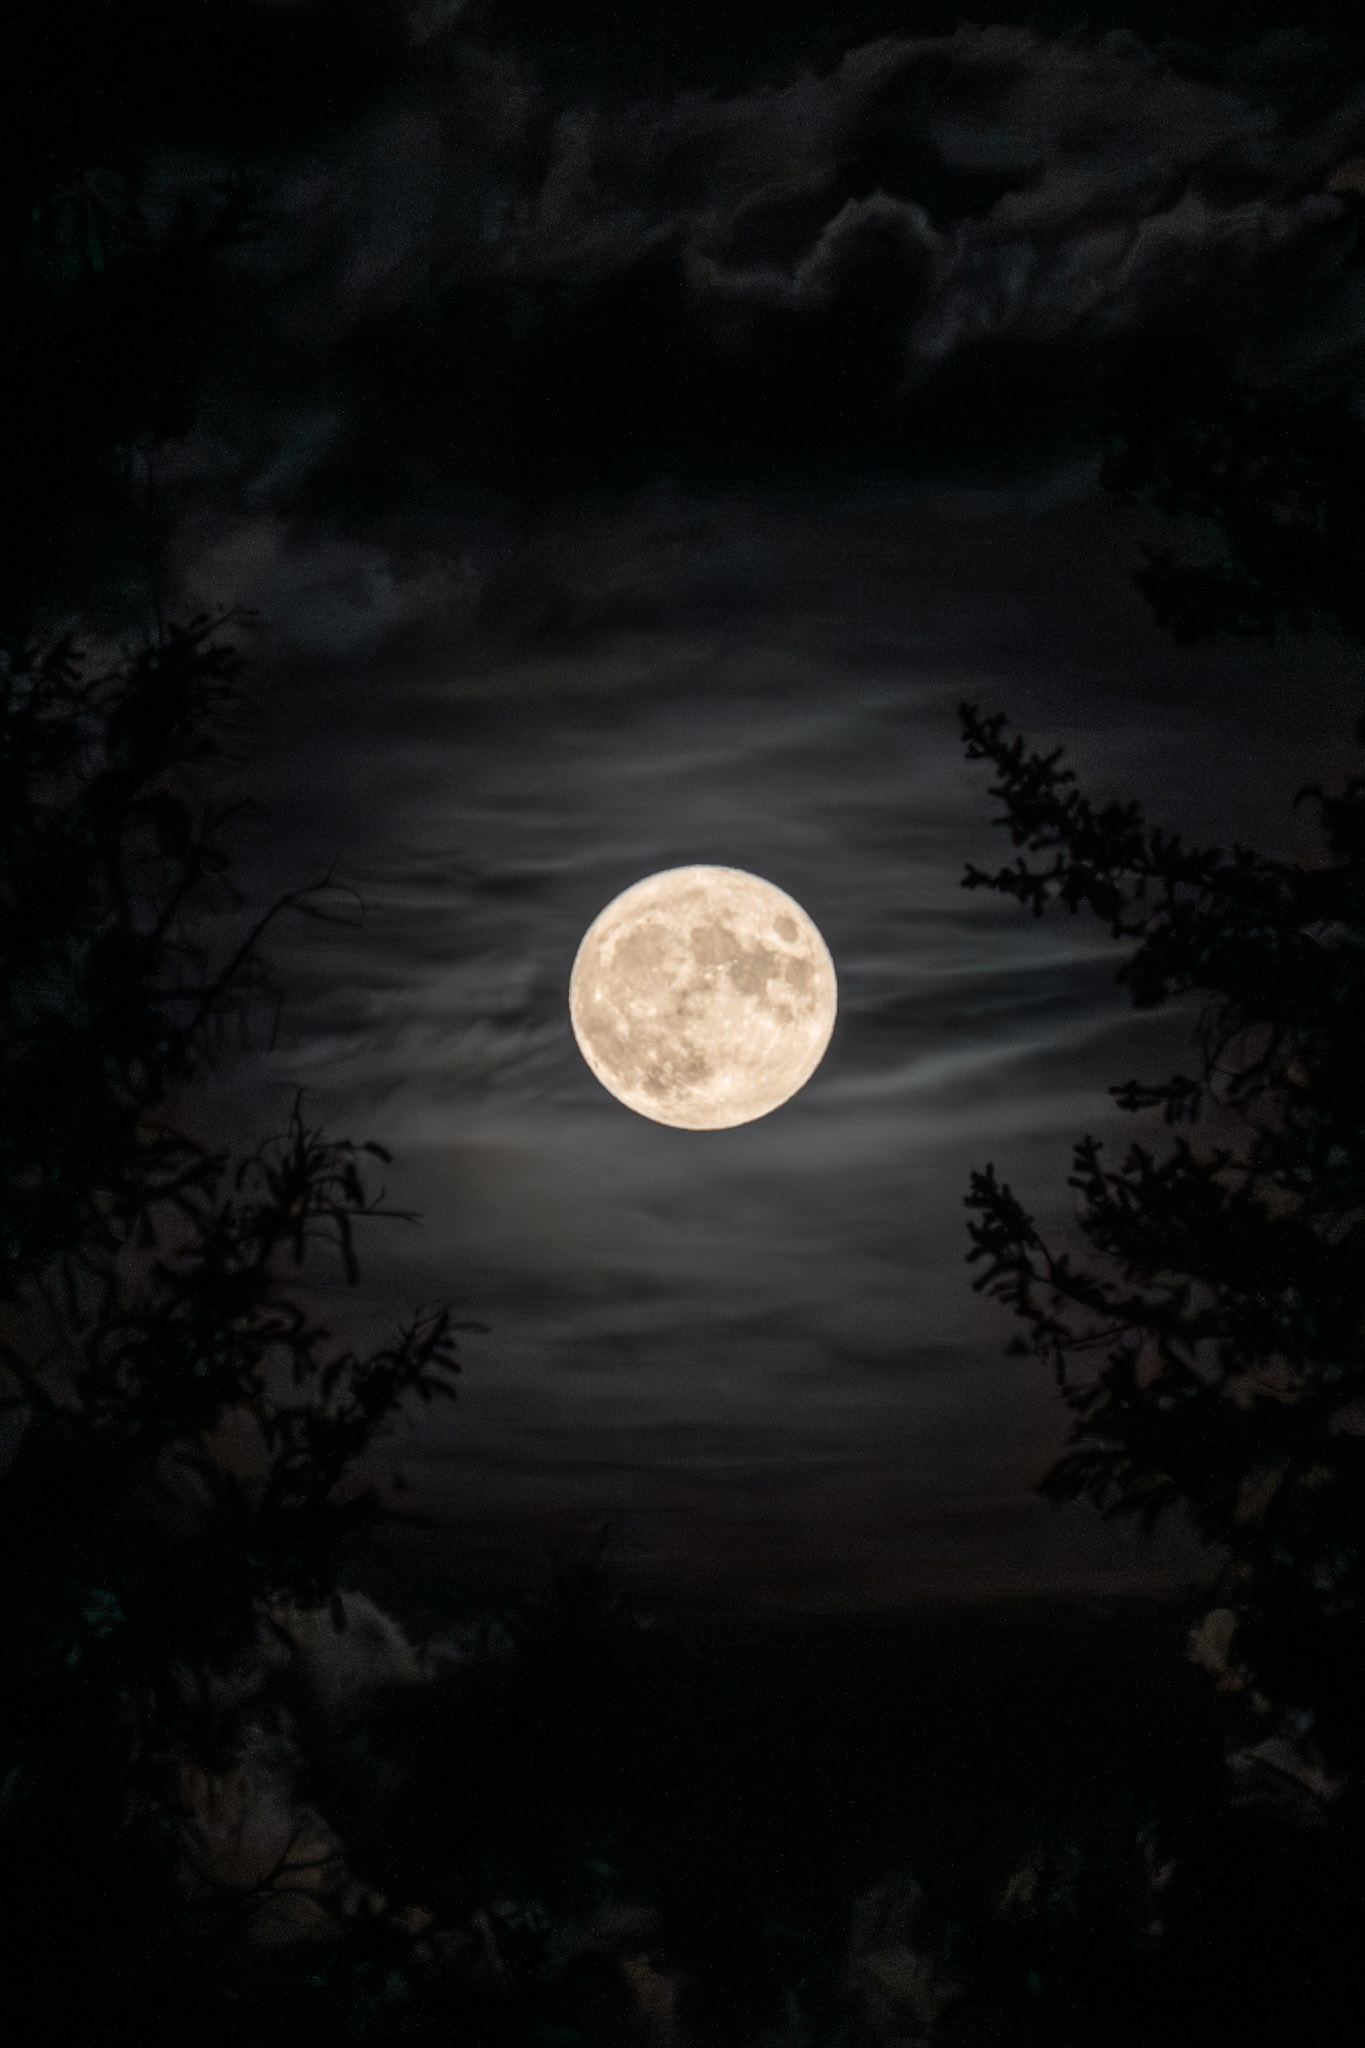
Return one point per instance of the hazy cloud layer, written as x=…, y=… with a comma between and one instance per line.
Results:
x=503, y=681
x=757, y=1349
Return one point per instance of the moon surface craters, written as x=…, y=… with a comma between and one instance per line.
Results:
x=703, y=997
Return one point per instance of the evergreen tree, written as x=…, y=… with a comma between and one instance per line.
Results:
x=180, y=1433
x=1259, y=490
x=1210, y=1345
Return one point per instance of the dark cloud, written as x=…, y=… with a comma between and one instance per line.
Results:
x=344, y=258
x=935, y=249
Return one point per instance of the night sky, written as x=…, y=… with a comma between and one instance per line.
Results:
x=634, y=430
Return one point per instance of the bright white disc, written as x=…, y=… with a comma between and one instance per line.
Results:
x=703, y=997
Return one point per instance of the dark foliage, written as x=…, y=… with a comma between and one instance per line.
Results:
x=112, y=870
x=1266, y=486
x=1212, y=1358
x=180, y=1432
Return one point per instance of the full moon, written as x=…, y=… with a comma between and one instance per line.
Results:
x=703, y=997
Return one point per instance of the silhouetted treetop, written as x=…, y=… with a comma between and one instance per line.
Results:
x=1265, y=485
x=115, y=971
x=184, y=1429
x=181, y=1438
x=1214, y=1357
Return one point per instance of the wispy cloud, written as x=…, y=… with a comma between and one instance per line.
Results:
x=780, y=1312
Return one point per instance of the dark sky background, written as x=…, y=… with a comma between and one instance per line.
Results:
x=634, y=429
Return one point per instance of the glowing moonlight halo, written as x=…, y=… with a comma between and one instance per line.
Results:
x=703, y=997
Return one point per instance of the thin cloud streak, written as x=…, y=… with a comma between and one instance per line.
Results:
x=779, y=1313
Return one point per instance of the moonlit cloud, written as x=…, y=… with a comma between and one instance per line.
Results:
x=539, y=441
x=768, y=1329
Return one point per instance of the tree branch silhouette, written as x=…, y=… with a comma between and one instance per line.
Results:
x=185, y=1435
x=1211, y=1352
